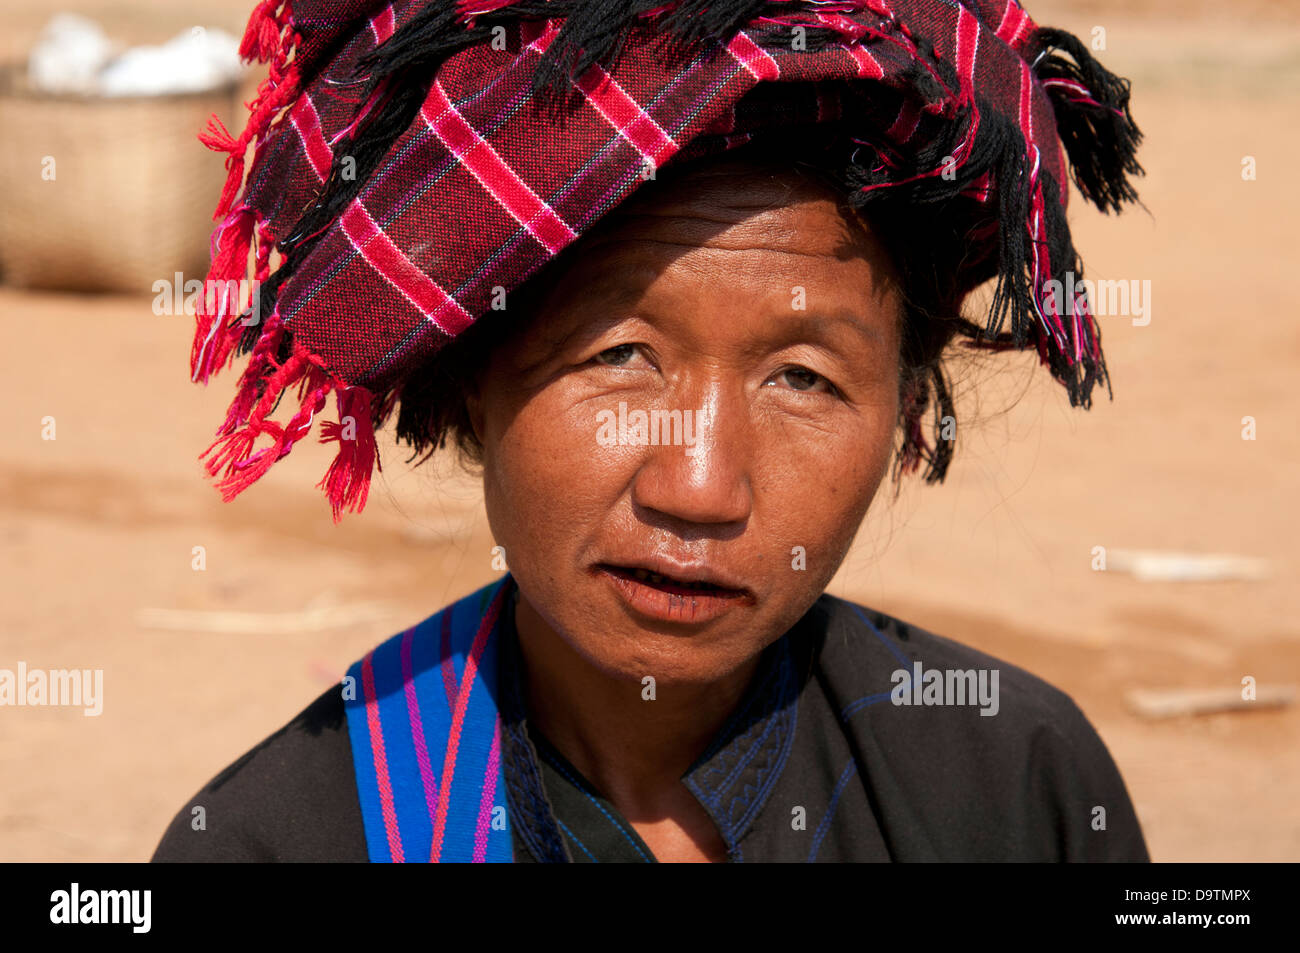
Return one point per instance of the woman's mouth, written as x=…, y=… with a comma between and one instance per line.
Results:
x=671, y=599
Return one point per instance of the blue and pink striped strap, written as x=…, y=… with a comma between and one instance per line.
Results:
x=426, y=738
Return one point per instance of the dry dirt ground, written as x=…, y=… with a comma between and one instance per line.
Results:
x=97, y=527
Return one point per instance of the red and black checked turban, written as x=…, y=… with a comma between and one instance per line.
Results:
x=414, y=159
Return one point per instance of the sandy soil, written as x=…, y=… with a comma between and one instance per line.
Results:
x=100, y=524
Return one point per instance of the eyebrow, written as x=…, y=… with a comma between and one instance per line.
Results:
x=825, y=330
x=814, y=324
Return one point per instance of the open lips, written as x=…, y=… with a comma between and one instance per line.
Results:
x=670, y=584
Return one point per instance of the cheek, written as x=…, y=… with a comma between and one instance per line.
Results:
x=543, y=480
x=817, y=486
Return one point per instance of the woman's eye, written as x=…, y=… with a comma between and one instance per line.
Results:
x=802, y=379
x=616, y=356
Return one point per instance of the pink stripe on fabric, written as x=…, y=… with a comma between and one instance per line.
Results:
x=501, y=181
x=753, y=57
x=1013, y=22
x=417, y=727
x=380, y=759
x=1056, y=328
x=1026, y=110
x=909, y=117
x=458, y=720
x=382, y=25
x=313, y=139
x=373, y=244
x=1008, y=11
x=867, y=65
x=1080, y=91
x=626, y=115
x=968, y=44
x=485, y=804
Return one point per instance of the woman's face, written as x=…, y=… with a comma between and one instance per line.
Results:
x=678, y=451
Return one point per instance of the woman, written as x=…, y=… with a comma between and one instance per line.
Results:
x=683, y=395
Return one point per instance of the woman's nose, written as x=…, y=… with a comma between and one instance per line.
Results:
x=705, y=477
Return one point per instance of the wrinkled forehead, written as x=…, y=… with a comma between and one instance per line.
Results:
x=735, y=202
x=727, y=218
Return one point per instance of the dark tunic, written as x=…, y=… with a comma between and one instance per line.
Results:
x=817, y=763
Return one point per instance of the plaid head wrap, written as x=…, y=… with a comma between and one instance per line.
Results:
x=413, y=160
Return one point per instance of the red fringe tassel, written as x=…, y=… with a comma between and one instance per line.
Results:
x=231, y=457
x=215, y=336
x=259, y=363
x=347, y=482
x=262, y=37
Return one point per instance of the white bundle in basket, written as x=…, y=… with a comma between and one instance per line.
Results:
x=73, y=55
x=69, y=56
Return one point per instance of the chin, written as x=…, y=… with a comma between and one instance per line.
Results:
x=631, y=655
x=627, y=648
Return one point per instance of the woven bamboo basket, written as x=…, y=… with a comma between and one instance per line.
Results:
x=106, y=194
